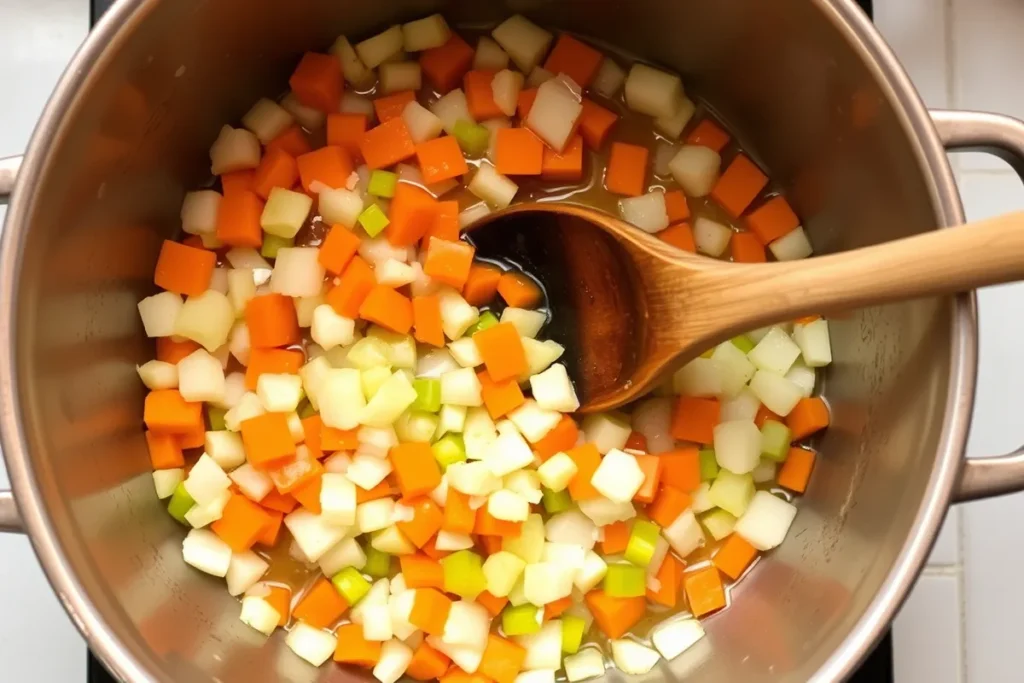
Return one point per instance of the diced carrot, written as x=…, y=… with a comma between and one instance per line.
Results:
x=193, y=438
x=292, y=473
x=747, y=248
x=276, y=169
x=694, y=419
x=426, y=320
x=355, y=284
x=279, y=502
x=517, y=151
x=430, y=610
x=679, y=236
x=271, y=361
x=489, y=544
x=267, y=440
x=441, y=159
x=346, y=130
x=427, y=664
x=353, y=648
x=412, y=214
x=561, y=438
x=627, y=169
x=735, y=555
x=796, y=470
x=636, y=442
x=587, y=459
x=391, y=106
x=741, y=182
x=595, y=124
x=709, y=134
x=669, y=576
x=308, y=493
x=807, y=417
x=772, y=220
x=421, y=571
x=329, y=165
x=763, y=415
x=448, y=262
x=525, y=102
x=272, y=321
x=170, y=351
x=459, y=517
x=387, y=308
x=489, y=525
x=317, y=81
x=184, y=270
x=479, y=96
x=668, y=505
x=446, y=223
x=457, y=675
x=501, y=350
x=164, y=451
x=518, y=290
x=704, y=591
x=381, y=490
x=575, y=59
x=502, y=659
x=321, y=606
x=292, y=141
x=280, y=598
x=500, y=398
x=338, y=248
x=444, y=66
x=681, y=468
x=427, y=517
x=492, y=603
x=616, y=537
x=240, y=524
x=415, y=468
x=271, y=530
x=167, y=412
x=481, y=285
x=194, y=241
x=566, y=166
x=238, y=220
x=615, y=616
x=387, y=144
x=333, y=439
x=555, y=609
x=807, y=319
x=237, y=181
x=651, y=466
x=677, y=207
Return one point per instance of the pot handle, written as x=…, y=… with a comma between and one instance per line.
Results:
x=10, y=519
x=1001, y=136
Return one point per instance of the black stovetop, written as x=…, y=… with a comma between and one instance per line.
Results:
x=877, y=668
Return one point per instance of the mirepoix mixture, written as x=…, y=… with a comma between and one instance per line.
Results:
x=363, y=427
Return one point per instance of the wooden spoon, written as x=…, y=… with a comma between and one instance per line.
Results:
x=629, y=308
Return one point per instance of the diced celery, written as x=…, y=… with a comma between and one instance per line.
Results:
x=775, y=440
x=707, y=354
x=181, y=502
x=306, y=409
x=708, y=464
x=743, y=343
x=472, y=137
x=373, y=220
x=216, y=417
x=642, y=539
x=464, y=574
x=521, y=620
x=378, y=563
x=428, y=395
x=487, y=319
x=382, y=184
x=625, y=581
x=732, y=492
x=556, y=501
x=573, y=628
x=719, y=523
x=351, y=584
x=449, y=449
x=271, y=243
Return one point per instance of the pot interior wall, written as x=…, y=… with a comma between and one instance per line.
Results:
x=137, y=138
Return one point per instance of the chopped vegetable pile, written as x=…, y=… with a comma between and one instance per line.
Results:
x=332, y=359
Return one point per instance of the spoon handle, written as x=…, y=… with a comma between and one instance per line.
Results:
x=935, y=263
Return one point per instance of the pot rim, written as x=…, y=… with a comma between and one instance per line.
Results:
x=123, y=662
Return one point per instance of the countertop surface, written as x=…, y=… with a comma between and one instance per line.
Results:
x=961, y=623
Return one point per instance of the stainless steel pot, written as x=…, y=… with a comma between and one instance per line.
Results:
x=814, y=91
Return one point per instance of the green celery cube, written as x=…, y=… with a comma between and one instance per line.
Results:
x=464, y=574
x=428, y=395
x=625, y=581
x=573, y=629
x=555, y=501
x=382, y=184
x=472, y=137
x=271, y=243
x=743, y=343
x=708, y=464
x=180, y=503
x=378, y=563
x=306, y=409
x=449, y=449
x=521, y=620
x=351, y=584
x=373, y=220
x=487, y=319
x=642, y=539
x=216, y=417
x=775, y=440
